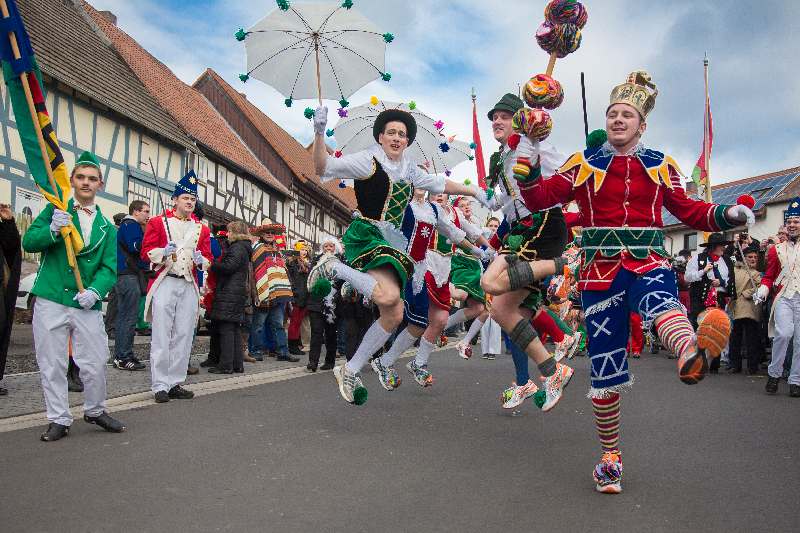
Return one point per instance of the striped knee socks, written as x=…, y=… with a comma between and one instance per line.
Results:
x=676, y=333
x=606, y=418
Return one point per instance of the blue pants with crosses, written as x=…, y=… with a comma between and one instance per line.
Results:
x=608, y=321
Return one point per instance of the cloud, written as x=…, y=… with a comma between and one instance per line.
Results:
x=443, y=48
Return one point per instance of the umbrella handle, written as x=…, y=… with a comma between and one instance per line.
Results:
x=319, y=81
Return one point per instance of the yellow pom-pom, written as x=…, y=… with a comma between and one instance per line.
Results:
x=373, y=100
x=522, y=170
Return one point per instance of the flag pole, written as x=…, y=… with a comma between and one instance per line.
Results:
x=706, y=136
x=42, y=147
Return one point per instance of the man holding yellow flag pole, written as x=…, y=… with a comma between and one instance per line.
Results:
x=75, y=240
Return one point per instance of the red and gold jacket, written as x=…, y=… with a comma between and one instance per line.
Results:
x=620, y=199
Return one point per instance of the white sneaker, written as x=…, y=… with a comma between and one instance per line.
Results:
x=350, y=386
x=464, y=350
x=553, y=387
x=514, y=395
x=568, y=346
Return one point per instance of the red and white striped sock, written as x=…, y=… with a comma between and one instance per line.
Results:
x=606, y=418
x=676, y=333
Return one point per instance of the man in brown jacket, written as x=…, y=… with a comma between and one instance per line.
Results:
x=746, y=314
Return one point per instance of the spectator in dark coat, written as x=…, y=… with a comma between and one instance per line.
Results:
x=298, y=266
x=322, y=315
x=10, y=264
x=230, y=298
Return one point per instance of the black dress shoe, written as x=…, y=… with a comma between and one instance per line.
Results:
x=208, y=362
x=54, y=432
x=179, y=393
x=161, y=396
x=105, y=421
x=311, y=368
x=772, y=385
x=238, y=370
x=734, y=371
x=287, y=358
x=294, y=350
x=218, y=370
x=327, y=366
x=794, y=391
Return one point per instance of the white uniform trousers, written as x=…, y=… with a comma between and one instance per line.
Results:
x=52, y=325
x=174, y=309
x=491, y=341
x=787, y=325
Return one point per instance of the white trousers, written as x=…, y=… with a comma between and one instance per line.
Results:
x=52, y=325
x=787, y=325
x=174, y=308
x=491, y=341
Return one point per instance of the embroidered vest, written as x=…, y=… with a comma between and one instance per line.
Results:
x=379, y=198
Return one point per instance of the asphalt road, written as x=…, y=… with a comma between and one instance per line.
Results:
x=292, y=456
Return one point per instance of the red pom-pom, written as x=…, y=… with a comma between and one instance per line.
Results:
x=746, y=200
x=337, y=153
x=513, y=141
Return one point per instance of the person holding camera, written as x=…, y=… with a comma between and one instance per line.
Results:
x=132, y=279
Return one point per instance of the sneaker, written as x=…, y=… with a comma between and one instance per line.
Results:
x=608, y=473
x=420, y=373
x=713, y=332
x=553, y=387
x=161, y=396
x=128, y=364
x=692, y=366
x=386, y=374
x=179, y=393
x=772, y=385
x=794, y=391
x=324, y=269
x=489, y=356
x=567, y=347
x=464, y=350
x=350, y=386
x=514, y=395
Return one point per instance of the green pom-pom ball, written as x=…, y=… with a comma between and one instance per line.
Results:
x=388, y=37
x=539, y=398
x=596, y=138
x=386, y=76
x=471, y=157
x=240, y=35
x=308, y=113
x=347, y=4
x=283, y=5
x=360, y=396
x=467, y=181
x=343, y=103
x=321, y=288
x=412, y=105
x=514, y=242
x=329, y=133
x=244, y=77
x=288, y=102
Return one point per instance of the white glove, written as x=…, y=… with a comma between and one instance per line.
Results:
x=487, y=255
x=527, y=149
x=483, y=198
x=59, y=220
x=170, y=248
x=741, y=213
x=86, y=299
x=761, y=294
x=320, y=120
x=198, y=258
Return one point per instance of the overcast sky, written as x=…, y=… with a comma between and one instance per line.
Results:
x=443, y=48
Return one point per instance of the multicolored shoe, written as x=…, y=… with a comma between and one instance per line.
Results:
x=420, y=373
x=608, y=473
x=464, y=350
x=514, y=395
x=350, y=385
x=568, y=346
x=386, y=374
x=553, y=387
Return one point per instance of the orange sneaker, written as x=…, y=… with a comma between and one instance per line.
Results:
x=713, y=331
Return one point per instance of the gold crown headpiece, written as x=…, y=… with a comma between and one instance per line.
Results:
x=636, y=92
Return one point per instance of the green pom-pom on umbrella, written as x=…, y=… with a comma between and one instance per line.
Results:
x=347, y=4
x=343, y=103
x=288, y=102
x=472, y=145
x=412, y=105
x=244, y=77
x=283, y=5
x=360, y=396
x=471, y=157
x=596, y=138
x=514, y=242
x=467, y=181
x=308, y=113
x=321, y=288
x=386, y=76
x=539, y=398
x=240, y=35
x=388, y=37
x=329, y=133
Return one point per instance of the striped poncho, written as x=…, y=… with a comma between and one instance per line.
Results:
x=270, y=278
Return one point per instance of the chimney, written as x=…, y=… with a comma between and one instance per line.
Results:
x=109, y=16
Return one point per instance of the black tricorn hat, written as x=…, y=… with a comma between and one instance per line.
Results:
x=716, y=239
x=395, y=115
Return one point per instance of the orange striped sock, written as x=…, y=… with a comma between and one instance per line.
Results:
x=606, y=418
x=676, y=333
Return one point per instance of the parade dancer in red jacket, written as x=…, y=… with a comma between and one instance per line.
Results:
x=620, y=188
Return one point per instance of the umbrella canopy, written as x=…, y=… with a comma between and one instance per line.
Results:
x=354, y=133
x=320, y=51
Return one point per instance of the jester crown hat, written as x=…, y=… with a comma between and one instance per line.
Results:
x=638, y=91
x=793, y=211
x=186, y=185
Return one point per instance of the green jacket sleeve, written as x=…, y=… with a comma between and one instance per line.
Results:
x=39, y=238
x=106, y=275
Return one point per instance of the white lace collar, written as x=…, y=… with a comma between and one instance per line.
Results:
x=397, y=170
x=609, y=149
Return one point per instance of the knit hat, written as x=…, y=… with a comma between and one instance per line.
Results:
x=509, y=102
